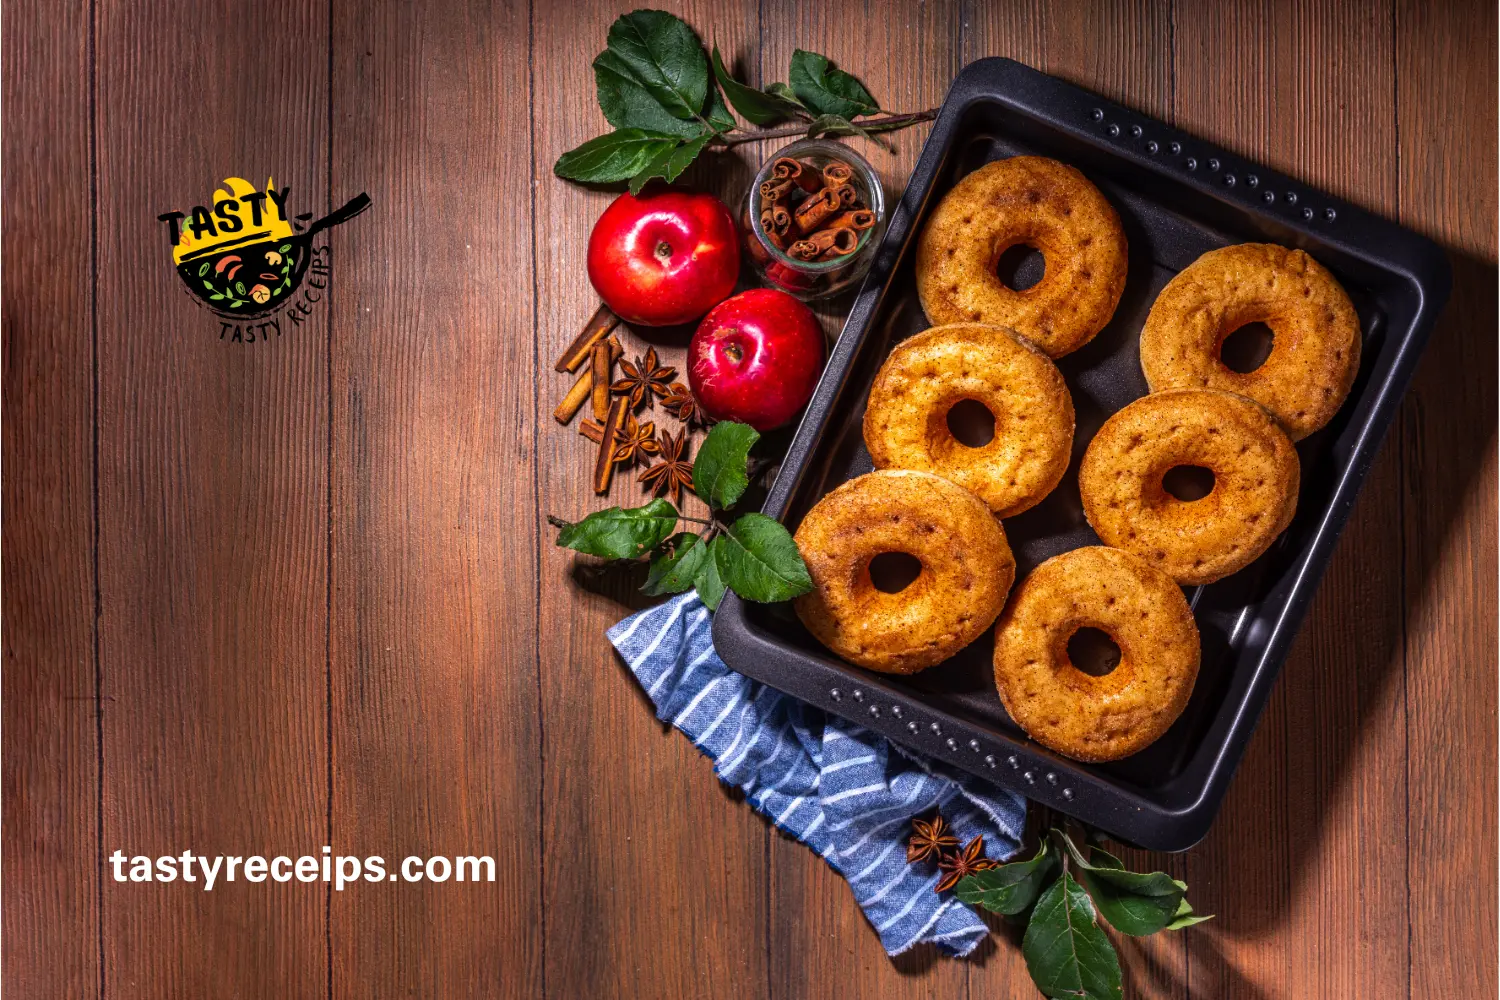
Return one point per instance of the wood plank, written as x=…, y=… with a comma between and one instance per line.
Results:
x=212, y=499
x=1447, y=126
x=1314, y=824
x=434, y=600
x=655, y=875
x=821, y=943
x=51, y=804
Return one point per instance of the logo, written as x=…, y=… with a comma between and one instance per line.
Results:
x=245, y=257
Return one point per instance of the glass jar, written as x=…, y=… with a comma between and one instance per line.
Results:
x=815, y=279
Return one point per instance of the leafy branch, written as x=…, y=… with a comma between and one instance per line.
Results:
x=754, y=555
x=1066, y=950
x=654, y=85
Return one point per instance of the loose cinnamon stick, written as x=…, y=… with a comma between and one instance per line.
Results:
x=583, y=387
x=591, y=429
x=602, y=322
x=816, y=210
x=602, y=366
x=604, y=463
x=858, y=220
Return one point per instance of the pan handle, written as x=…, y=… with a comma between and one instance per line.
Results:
x=353, y=207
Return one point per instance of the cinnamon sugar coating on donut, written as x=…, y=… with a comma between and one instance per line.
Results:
x=1082, y=716
x=906, y=419
x=1315, y=353
x=967, y=569
x=1041, y=203
x=1256, y=476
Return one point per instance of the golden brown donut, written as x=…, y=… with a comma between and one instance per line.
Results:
x=1046, y=205
x=967, y=570
x=1086, y=717
x=1256, y=474
x=906, y=420
x=1314, y=356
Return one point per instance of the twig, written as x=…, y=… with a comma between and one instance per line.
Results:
x=724, y=141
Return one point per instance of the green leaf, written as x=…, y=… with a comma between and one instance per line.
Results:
x=669, y=163
x=619, y=533
x=717, y=111
x=787, y=94
x=203, y=269
x=617, y=156
x=719, y=475
x=759, y=560
x=1066, y=951
x=826, y=90
x=1010, y=889
x=627, y=103
x=710, y=585
x=756, y=106
x=1185, y=917
x=1133, y=903
x=661, y=53
x=674, y=571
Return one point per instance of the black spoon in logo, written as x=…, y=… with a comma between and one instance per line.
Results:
x=246, y=281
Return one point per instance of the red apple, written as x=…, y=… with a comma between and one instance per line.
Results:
x=756, y=359
x=664, y=257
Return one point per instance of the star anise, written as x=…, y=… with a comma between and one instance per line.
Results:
x=635, y=441
x=680, y=402
x=673, y=472
x=929, y=839
x=961, y=864
x=644, y=380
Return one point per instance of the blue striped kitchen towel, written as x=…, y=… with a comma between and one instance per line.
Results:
x=833, y=785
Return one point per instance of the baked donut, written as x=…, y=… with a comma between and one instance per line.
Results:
x=1255, y=468
x=1082, y=716
x=906, y=420
x=967, y=570
x=1314, y=356
x=1043, y=204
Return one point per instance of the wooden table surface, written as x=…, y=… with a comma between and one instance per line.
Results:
x=259, y=598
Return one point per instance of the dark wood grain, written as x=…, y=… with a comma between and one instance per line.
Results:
x=341, y=526
x=655, y=874
x=212, y=510
x=51, y=803
x=434, y=701
x=1332, y=777
x=1446, y=122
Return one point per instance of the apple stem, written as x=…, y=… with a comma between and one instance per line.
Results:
x=663, y=250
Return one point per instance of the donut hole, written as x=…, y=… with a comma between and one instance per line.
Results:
x=1188, y=482
x=1093, y=652
x=1247, y=348
x=1020, y=267
x=971, y=423
x=893, y=572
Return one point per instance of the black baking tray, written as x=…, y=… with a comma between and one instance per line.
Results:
x=1177, y=197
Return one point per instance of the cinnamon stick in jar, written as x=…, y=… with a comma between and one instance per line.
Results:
x=817, y=209
x=776, y=190
x=836, y=174
x=826, y=244
x=858, y=220
x=787, y=168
